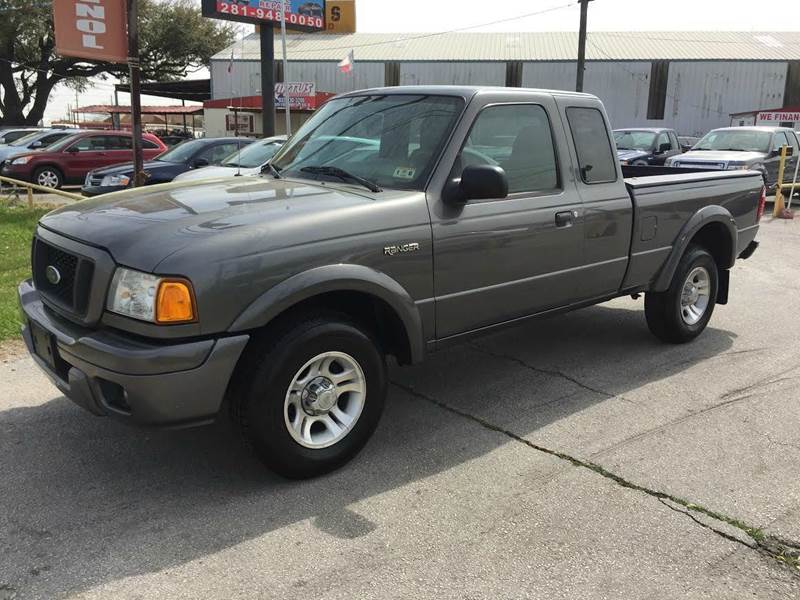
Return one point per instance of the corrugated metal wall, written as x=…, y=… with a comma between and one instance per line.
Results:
x=453, y=73
x=245, y=77
x=700, y=95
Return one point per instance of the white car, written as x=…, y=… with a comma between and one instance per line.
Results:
x=247, y=161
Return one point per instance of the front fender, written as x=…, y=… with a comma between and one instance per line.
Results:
x=704, y=216
x=336, y=278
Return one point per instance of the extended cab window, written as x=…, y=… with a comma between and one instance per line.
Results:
x=779, y=141
x=516, y=137
x=589, y=133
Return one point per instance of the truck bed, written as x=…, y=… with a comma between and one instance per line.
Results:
x=663, y=196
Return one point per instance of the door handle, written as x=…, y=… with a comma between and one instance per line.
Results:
x=566, y=218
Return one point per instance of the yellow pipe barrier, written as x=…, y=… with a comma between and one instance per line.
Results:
x=32, y=186
x=779, y=205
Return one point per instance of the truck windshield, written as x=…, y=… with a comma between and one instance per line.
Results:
x=634, y=140
x=252, y=156
x=392, y=140
x=743, y=140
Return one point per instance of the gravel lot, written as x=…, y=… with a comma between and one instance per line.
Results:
x=575, y=457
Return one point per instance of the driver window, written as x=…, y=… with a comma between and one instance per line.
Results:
x=517, y=138
x=663, y=138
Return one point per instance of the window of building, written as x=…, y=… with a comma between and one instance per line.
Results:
x=514, y=73
x=589, y=133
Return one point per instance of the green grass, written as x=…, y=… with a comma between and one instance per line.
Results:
x=16, y=230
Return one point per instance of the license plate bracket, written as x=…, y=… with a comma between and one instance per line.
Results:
x=44, y=345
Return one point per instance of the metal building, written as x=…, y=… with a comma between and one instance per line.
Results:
x=691, y=81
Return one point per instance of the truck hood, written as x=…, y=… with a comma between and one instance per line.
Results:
x=726, y=156
x=141, y=227
x=214, y=172
x=630, y=155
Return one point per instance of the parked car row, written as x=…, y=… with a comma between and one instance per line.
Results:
x=102, y=161
x=725, y=149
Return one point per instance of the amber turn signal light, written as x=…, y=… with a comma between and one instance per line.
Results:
x=175, y=302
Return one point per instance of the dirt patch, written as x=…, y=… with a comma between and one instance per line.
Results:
x=11, y=350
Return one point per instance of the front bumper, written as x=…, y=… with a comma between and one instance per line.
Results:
x=111, y=374
x=19, y=172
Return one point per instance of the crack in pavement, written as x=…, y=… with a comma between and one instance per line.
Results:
x=551, y=372
x=781, y=549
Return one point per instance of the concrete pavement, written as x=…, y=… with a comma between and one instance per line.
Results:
x=575, y=457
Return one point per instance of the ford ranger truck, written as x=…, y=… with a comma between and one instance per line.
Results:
x=395, y=222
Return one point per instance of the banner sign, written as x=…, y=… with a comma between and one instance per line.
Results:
x=304, y=15
x=302, y=96
x=779, y=117
x=245, y=122
x=93, y=29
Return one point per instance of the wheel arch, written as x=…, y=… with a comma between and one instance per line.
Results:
x=713, y=228
x=363, y=293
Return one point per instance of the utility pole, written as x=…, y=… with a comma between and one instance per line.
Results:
x=139, y=175
x=285, y=70
x=267, y=79
x=582, y=46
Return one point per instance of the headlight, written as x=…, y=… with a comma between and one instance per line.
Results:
x=624, y=162
x=151, y=298
x=115, y=181
x=22, y=160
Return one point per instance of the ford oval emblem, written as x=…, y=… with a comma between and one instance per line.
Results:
x=52, y=275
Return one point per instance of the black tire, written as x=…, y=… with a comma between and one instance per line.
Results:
x=51, y=174
x=664, y=311
x=262, y=381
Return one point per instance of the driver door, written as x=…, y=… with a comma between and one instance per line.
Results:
x=500, y=259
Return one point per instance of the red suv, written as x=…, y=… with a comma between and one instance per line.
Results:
x=69, y=160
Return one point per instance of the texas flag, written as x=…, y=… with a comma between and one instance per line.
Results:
x=347, y=63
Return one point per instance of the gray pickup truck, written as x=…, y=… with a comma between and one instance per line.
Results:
x=395, y=222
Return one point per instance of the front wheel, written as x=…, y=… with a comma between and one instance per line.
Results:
x=49, y=177
x=681, y=313
x=311, y=394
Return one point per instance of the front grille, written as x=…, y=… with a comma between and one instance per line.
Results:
x=700, y=165
x=70, y=288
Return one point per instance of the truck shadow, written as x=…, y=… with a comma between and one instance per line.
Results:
x=89, y=501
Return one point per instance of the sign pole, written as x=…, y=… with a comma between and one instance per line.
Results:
x=267, y=79
x=285, y=70
x=139, y=175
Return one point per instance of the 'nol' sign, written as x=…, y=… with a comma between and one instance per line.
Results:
x=92, y=29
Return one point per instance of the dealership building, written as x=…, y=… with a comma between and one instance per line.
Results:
x=690, y=81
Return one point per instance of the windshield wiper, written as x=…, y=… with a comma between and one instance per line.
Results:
x=343, y=175
x=272, y=169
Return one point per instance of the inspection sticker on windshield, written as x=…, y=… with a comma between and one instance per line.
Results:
x=404, y=172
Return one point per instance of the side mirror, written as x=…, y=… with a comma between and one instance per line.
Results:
x=36, y=144
x=200, y=162
x=72, y=150
x=478, y=182
x=665, y=147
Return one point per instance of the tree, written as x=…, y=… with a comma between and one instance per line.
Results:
x=174, y=40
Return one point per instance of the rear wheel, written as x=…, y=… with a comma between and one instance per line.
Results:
x=681, y=313
x=310, y=394
x=48, y=177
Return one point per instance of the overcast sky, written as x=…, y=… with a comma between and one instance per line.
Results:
x=406, y=16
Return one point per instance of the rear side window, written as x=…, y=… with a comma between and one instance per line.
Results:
x=149, y=144
x=793, y=141
x=590, y=135
x=516, y=137
x=779, y=141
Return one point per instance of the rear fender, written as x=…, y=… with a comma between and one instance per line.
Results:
x=704, y=216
